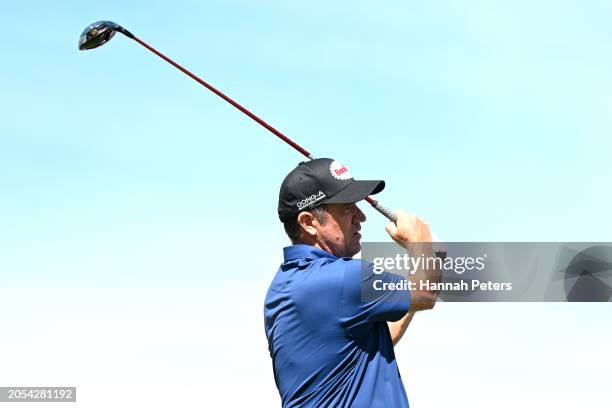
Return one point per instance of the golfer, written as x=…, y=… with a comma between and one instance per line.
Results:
x=329, y=347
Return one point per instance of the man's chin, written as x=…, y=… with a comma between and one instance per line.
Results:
x=354, y=249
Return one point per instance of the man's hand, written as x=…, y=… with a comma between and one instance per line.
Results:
x=409, y=229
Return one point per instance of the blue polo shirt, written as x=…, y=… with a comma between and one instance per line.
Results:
x=330, y=348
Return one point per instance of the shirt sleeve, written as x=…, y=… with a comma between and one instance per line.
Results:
x=368, y=297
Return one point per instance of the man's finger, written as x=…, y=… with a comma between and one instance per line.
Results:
x=391, y=229
x=401, y=215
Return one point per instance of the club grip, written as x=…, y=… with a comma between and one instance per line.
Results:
x=384, y=211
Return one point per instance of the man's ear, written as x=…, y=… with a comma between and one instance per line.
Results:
x=306, y=222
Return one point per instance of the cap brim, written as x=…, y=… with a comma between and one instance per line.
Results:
x=357, y=191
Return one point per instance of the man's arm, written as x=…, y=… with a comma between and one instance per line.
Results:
x=413, y=233
x=397, y=329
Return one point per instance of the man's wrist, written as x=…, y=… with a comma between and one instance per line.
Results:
x=419, y=248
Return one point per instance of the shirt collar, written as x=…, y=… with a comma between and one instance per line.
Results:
x=302, y=251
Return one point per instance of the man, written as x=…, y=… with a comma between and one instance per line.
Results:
x=329, y=346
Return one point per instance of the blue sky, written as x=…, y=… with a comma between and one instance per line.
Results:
x=489, y=119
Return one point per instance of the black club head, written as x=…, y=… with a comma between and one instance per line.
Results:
x=99, y=33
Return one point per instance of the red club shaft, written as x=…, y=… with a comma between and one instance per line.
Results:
x=226, y=98
x=379, y=207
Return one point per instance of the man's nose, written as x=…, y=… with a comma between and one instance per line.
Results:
x=361, y=217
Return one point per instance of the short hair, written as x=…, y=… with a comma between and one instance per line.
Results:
x=293, y=229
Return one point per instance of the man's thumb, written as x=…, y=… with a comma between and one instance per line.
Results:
x=391, y=229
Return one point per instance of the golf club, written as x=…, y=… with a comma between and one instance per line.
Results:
x=101, y=32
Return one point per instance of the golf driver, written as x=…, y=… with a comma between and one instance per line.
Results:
x=101, y=32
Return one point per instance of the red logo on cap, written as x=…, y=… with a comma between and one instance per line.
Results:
x=339, y=171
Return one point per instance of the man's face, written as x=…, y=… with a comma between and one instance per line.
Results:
x=339, y=234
